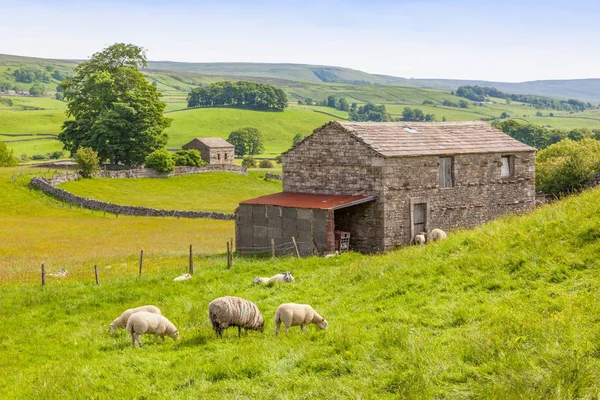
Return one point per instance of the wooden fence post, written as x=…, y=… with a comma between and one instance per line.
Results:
x=191, y=261
x=141, y=261
x=231, y=253
x=228, y=258
x=296, y=247
x=43, y=276
x=96, y=274
x=273, y=249
x=314, y=239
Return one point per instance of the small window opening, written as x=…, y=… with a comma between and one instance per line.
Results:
x=218, y=156
x=445, y=172
x=507, y=166
x=226, y=156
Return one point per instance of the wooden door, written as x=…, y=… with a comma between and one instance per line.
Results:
x=420, y=218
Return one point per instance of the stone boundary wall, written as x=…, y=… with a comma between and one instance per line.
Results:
x=47, y=185
x=273, y=176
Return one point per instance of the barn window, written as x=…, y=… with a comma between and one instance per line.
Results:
x=226, y=156
x=218, y=156
x=507, y=166
x=445, y=172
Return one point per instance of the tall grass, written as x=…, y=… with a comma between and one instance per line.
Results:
x=506, y=311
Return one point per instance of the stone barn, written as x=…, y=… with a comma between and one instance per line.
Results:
x=386, y=182
x=213, y=150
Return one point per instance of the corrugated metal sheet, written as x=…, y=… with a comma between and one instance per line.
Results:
x=307, y=200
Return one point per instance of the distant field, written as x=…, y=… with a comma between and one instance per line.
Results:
x=278, y=128
x=218, y=191
x=21, y=103
x=45, y=121
x=36, y=229
x=33, y=147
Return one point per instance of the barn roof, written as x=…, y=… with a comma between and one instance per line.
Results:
x=393, y=139
x=213, y=142
x=308, y=200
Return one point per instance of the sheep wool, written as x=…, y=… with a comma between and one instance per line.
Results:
x=437, y=234
x=420, y=239
x=121, y=321
x=259, y=280
x=144, y=322
x=292, y=314
x=227, y=311
x=285, y=277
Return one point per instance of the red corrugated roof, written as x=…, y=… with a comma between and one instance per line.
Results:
x=307, y=200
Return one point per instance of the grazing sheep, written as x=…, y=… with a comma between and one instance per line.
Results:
x=121, y=321
x=60, y=274
x=420, y=239
x=234, y=311
x=259, y=280
x=183, y=277
x=436, y=234
x=286, y=277
x=337, y=253
x=292, y=314
x=143, y=322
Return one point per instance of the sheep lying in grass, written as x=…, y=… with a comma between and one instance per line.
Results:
x=121, y=321
x=227, y=311
x=436, y=234
x=337, y=253
x=144, y=322
x=292, y=314
x=60, y=274
x=420, y=239
x=285, y=277
x=183, y=277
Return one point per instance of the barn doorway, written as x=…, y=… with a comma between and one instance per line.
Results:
x=419, y=208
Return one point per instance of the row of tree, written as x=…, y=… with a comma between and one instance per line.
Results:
x=541, y=137
x=482, y=93
x=241, y=94
x=370, y=112
x=416, y=115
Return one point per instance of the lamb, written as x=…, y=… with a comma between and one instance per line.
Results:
x=60, y=274
x=143, y=322
x=286, y=277
x=436, y=234
x=337, y=253
x=420, y=239
x=183, y=277
x=292, y=314
x=228, y=311
x=121, y=321
x=259, y=280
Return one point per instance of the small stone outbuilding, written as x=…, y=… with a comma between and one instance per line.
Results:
x=386, y=182
x=213, y=150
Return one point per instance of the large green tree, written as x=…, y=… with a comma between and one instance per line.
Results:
x=115, y=110
x=246, y=141
x=6, y=156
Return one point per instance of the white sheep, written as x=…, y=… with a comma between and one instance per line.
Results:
x=337, y=253
x=420, y=239
x=183, y=277
x=436, y=234
x=144, y=322
x=60, y=274
x=292, y=314
x=259, y=280
x=285, y=277
x=121, y=321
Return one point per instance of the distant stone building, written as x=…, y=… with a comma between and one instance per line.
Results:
x=386, y=182
x=213, y=150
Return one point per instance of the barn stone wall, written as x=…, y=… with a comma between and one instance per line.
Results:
x=332, y=162
x=256, y=225
x=478, y=194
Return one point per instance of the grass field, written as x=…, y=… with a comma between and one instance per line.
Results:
x=38, y=229
x=201, y=192
x=278, y=128
x=506, y=311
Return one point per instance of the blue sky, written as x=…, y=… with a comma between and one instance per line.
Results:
x=491, y=40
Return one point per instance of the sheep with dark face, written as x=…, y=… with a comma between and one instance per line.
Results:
x=227, y=311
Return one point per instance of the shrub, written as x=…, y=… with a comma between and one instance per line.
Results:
x=249, y=162
x=566, y=166
x=278, y=159
x=6, y=156
x=160, y=160
x=39, y=157
x=87, y=160
x=188, y=158
x=55, y=155
x=266, y=164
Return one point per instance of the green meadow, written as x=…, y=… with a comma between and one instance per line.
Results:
x=214, y=191
x=508, y=310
